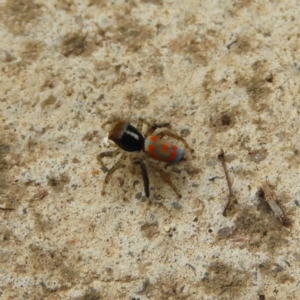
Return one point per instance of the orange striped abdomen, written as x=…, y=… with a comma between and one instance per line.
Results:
x=160, y=150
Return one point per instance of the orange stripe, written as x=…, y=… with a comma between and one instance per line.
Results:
x=165, y=147
x=150, y=151
x=150, y=148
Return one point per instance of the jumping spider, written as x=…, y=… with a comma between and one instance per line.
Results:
x=129, y=139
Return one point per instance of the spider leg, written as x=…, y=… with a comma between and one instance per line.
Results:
x=109, y=154
x=176, y=137
x=139, y=124
x=151, y=127
x=111, y=120
x=165, y=177
x=111, y=171
x=144, y=175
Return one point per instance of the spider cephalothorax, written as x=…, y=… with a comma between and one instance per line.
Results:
x=129, y=139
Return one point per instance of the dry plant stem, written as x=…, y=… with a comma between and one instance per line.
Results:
x=221, y=158
x=270, y=197
x=6, y=209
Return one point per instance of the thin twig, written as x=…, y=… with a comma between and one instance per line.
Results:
x=7, y=208
x=221, y=157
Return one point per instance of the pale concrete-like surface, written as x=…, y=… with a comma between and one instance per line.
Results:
x=225, y=74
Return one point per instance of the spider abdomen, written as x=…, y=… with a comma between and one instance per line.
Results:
x=158, y=149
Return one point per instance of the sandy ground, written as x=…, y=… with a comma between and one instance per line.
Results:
x=224, y=74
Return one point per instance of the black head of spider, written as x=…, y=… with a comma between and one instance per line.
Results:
x=127, y=137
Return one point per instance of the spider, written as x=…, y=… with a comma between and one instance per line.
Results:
x=130, y=139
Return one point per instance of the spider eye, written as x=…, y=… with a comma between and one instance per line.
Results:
x=127, y=137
